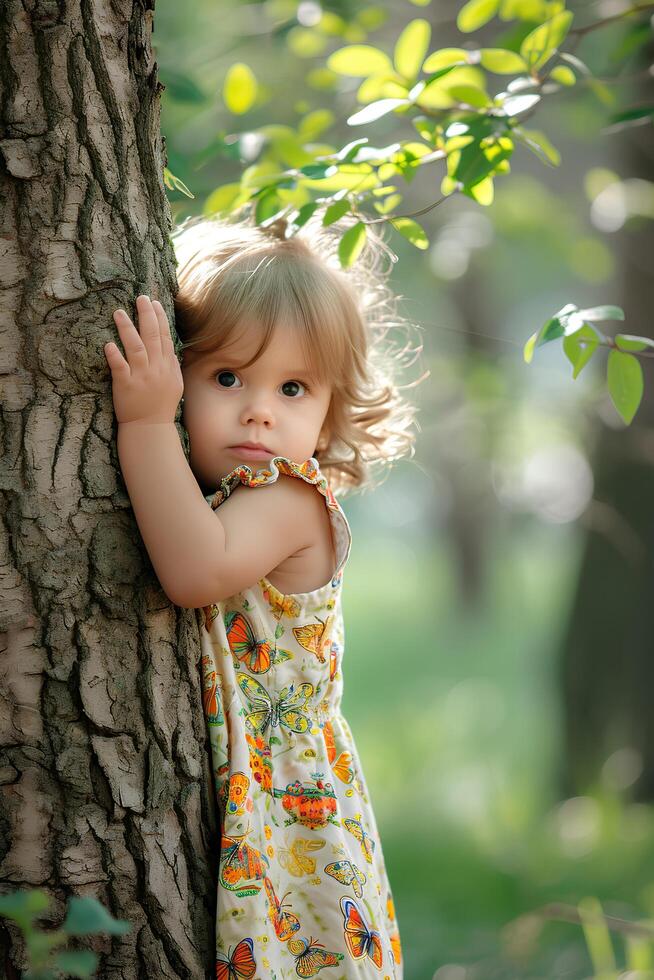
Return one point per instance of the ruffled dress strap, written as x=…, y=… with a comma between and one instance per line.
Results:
x=309, y=471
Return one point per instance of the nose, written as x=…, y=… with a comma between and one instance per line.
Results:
x=258, y=410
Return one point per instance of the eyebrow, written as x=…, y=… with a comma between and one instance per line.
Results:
x=227, y=361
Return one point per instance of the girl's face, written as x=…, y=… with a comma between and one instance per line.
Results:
x=275, y=402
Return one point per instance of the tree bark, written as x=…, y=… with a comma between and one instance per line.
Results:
x=105, y=781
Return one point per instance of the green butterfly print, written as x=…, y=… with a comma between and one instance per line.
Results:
x=285, y=710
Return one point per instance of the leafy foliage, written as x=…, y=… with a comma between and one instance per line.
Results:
x=445, y=95
x=84, y=917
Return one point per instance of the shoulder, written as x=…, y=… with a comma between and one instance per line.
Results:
x=289, y=500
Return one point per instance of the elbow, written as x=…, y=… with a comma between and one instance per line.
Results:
x=196, y=598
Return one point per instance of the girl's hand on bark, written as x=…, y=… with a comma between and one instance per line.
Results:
x=148, y=385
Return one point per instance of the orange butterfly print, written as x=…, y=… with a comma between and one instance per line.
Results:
x=210, y=613
x=396, y=947
x=241, y=865
x=341, y=767
x=361, y=940
x=285, y=923
x=237, y=795
x=239, y=965
x=311, y=956
x=210, y=699
x=244, y=645
x=316, y=637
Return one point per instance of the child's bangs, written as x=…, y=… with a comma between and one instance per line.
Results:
x=270, y=289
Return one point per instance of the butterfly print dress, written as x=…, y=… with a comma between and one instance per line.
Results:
x=302, y=885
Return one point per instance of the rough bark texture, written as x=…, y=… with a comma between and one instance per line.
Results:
x=105, y=787
x=607, y=668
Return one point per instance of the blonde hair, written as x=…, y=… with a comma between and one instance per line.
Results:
x=229, y=268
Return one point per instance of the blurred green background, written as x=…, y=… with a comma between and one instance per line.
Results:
x=498, y=673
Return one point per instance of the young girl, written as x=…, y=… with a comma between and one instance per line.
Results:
x=287, y=386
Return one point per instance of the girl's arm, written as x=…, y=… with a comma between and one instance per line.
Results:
x=199, y=556
x=186, y=541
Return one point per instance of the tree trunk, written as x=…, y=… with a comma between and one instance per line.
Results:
x=105, y=782
x=607, y=669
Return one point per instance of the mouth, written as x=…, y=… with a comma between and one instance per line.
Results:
x=251, y=450
x=252, y=445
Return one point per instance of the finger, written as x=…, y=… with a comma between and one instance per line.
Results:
x=149, y=328
x=166, y=338
x=115, y=359
x=135, y=350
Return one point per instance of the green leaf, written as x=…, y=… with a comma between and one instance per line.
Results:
x=626, y=341
x=24, y=906
x=268, y=208
x=239, y=88
x=224, y=198
x=502, y=61
x=475, y=14
x=539, y=44
x=411, y=48
x=174, y=183
x=602, y=313
x=316, y=171
x=375, y=111
x=469, y=95
x=359, y=60
x=603, y=92
x=627, y=115
x=305, y=213
x=383, y=207
x=551, y=330
x=563, y=75
x=482, y=191
x=638, y=952
x=351, y=244
x=579, y=354
x=336, y=211
x=597, y=935
x=314, y=123
x=529, y=348
x=625, y=381
x=76, y=963
x=539, y=144
x=86, y=916
x=446, y=57
x=412, y=231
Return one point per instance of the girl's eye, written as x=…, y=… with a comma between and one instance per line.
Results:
x=227, y=379
x=293, y=385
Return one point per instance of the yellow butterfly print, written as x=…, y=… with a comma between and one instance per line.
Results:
x=280, y=604
x=316, y=637
x=348, y=874
x=284, y=710
x=294, y=858
x=311, y=956
x=365, y=840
